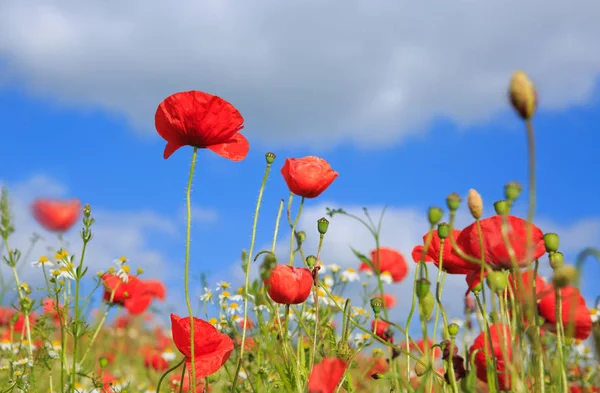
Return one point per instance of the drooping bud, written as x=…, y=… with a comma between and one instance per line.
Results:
x=497, y=281
x=322, y=225
x=564, y=276
x=443, y=230
x=512, y=191
x=557, y=260
x=426, y=304
x=453, y=201
x=270, y=157
x=435, y=214
x=523, y=95
x=502, y=208
x=422, y=287
x=551, y=241
x=475, y=204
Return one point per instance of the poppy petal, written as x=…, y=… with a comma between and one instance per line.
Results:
x=170, y=149
x=236, y=149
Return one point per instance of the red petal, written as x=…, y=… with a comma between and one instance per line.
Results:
x=170, y=149
x=235, y=149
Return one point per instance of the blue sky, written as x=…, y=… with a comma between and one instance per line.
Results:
x=64, y=126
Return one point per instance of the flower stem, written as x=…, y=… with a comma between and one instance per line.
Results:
x=293, y=237
x=186, y=278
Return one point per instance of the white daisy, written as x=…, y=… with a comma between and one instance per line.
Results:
x=43, y=261
x=328, y=281
x=349, y=275
x=207, y=296
x=223, y=285
x=260, y=308
x=168, y=355
x=334, y=268
x=458, y=322
x=594, y=314
x=224, y=296
x=386, y=277
x=233, y=309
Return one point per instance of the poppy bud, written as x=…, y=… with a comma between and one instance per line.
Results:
x=422, y=287
x=103, y=361
x=311, y=260
x=443, y=230
x=434, y=214
x=270, y=157
x=557, y=260
x=502, y=208
x=475, y=204
x=322, y=225
x=300, y=237
x=565, y=275
x=523, y=96
x=426, y=304
x=376, y=304
x=496, y=281
x=453, y=201
x=344, y=351
x=421, y=368
x=512, y=191
x=453, y=329
x=551, y=241
x=377, y=376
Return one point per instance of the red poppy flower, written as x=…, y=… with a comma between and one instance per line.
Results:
x=575, y=313
x=473, y=279
x=133, y=294
x=198, y=119
x=155, y=288
x=50, y=309
x=380, y=366
x=56, y=215
x=325, y=376
x=211, y=347
x=583, y=389
x=6, y=314
x=524, y=290
x=452, y=263
x=495, y=252
x=155, y=361
x=388, y=300
x=20, y=323
x=391, y=262
x=308, y=177
x=249, y=324
x=383, y=330
x=289, y=285
x=498, y=343
x=437, y=352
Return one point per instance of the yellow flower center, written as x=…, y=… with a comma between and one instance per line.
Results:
x=350, y=270
x=213, y=321
x=126, y=269
x=240, y=291
x=234, y=306
x=111, y=270
x=225, y=294
x=55, y=273
x=593, y=312
x=43, y=259
x=123, y=259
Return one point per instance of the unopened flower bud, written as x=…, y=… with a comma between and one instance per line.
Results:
x=322, y=225
x=344, y=351
x=300, y=237
x=435, y=214
x=475, y=204
x=497, y=281
x=502, y=208
x=103, y=361
x=311, y=260
x=421, y=368
x=270, y=157
x=140, y=271
x=564, y=276
x=422, y=287
x=376, y=304
x=557, y=260
x=443, y=230
x=551, y=241
x=377, y=376
x=426, y=304
x=523, y=95
x=512, y=191
x=453, y=201
x=453, y=329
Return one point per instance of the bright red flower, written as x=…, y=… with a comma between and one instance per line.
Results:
x=289, y=285
x=211, y=347
x=451, y=263
x=56, y=215
x=133, y=294
x=498, y=343
x=249, y=324
x=325, y=376
x=198, y=119
x=495, y=252
x=575, y=313
x=389, y=300
x=523, y=290
x=6, y=314
x=155, y=288
x=391, y=262
x=380, y=366
x=583, y=389
x=383, y=330
x=20, y=323
x=309, y=176
x=437, y=352
x=154, y=360
x=473, y=279
x=50, y=309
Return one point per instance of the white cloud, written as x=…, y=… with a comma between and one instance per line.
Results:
x=114, y=234
x=311, y=72
x=200, y=215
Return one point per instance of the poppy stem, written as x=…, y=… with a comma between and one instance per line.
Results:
x=169, y=371
x=247, y=283
x=294, y=225
x=187, y=269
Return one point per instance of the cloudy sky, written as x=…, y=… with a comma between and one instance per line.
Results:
x=406, y=100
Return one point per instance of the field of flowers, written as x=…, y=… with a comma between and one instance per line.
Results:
x=296, y=328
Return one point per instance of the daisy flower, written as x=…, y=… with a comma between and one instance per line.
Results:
x=334, y=268
x=233, y=309
x=168, y=355
x=386, y=277
x=223, y=286
x=43, y=261
x=207, y=296
x=349, y=275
